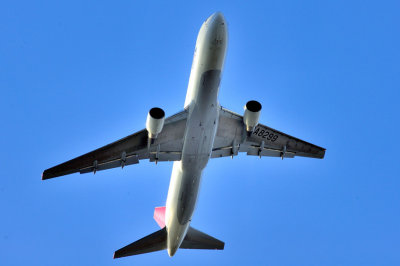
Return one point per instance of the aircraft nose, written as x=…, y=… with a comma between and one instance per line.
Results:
x=217, y=18
x=217, y=28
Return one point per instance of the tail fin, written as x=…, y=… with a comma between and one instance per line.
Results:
x=159, y=216
x=154, y=242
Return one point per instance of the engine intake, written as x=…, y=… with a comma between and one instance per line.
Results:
x=252, y=111
x=155, y=122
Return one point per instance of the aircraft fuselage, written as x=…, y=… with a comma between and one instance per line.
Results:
x=203, y=108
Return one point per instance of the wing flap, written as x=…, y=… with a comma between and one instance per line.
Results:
x=133, y=159
x=257, y=151
x=165, y=156
x=225, y=151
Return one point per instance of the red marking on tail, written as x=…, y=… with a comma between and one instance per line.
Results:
x=159, y=216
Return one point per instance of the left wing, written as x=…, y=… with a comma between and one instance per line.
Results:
x=231, y=138
x=129, y=150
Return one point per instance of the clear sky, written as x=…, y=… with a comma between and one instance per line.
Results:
x=76, y=75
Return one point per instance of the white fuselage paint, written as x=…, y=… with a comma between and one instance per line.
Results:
x=203, y=112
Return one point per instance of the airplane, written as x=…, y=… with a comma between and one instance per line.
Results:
x=203, y=130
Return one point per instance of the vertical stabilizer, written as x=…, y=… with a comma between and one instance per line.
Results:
x=159, y=216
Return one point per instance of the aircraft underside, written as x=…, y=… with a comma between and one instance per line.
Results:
x=203, y=130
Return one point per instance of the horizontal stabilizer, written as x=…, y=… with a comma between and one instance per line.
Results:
x=196, y=239
x=154, y=242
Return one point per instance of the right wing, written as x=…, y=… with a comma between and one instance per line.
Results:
x=231, y=138
x=129, y=150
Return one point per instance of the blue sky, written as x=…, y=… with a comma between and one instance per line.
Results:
x=76, y=75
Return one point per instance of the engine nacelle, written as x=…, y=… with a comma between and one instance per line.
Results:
x=252, y=111
x=155, y=122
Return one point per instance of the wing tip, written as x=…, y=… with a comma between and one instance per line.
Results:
x=43, y=175
x=47, y=175
x=118, y=254
x=323, y=153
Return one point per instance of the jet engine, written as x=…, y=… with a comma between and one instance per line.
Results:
x=252, y=111
x=155, y=122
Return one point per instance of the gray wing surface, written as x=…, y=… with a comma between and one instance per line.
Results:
x=129, y=150
x=231, y=138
